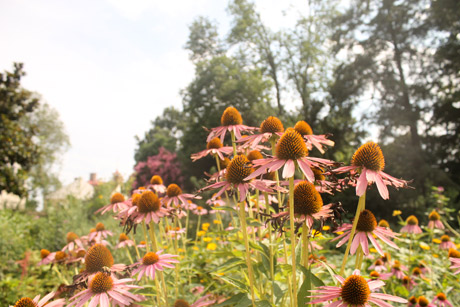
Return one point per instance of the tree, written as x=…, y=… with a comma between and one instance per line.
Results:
x=18, y=151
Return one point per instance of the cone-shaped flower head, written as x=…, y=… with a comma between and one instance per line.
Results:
x=173, y=190
x=254, y=155
x=366, y=221
x=291, y=146
x=412, y=220
x=135, y=199
x=355, y=290
x=123, y=237
x=434, y=216
x=423, y=301
x=369, y=156
x=384, y=223
x=71, y=237
x=98, y=257
x=271, y=125
x=149, y=202
x=181, y=303
x=303, y=128
x=215, y=143
x=156, y=180
x=117, y=198
x=231, y=117
x=150, y=258
x=44, y=253
x=101, y=283
x=307, y=200
x=60, y=256
x=238, y=169
x=453, y=253
x=100, y=227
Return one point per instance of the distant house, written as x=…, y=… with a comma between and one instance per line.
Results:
x=11, y=201
x=80, y=189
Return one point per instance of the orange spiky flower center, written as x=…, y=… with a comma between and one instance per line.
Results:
x=44, y=253
x=254, y=155
x=413, y=300
x=238, y=169
x=135, y=199
x=100, y=227
x=71, y=237
x=375, y=274
x=386, y=257
x=369, y=156
x=173, y=190
x=434, y=216
x=378, y=262
x=156, y=180
x=81, y=253
x=453, y=253
x=307, y=200
x=181, y=303
x=291, y=146
x=123, y=237
x=25, y=302
x=384, y=223
x=271, y=125
x=101, y=283
x=142, y=243
x=215, y=143
x=303, y=128
x=355, y=290
x=423, y=302
x=366, y=221
x=441, y=296
x=60, y=256
x=224, y=163
x=445, y=238
x=97, y=257
x=149, y=202
x=231, y=117
x=397, y=265
x=416, y=272
x=150, y=258
x=117, y=198
x=318, y=173
x=412, y=220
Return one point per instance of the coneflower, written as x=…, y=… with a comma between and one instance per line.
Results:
x=411, y=225
x=318, y=141
x=214, y=147
x=117, y=203
x=435, y=220
x=151, y=262
x=175, y=196
x=231, y=121
x=270, y=127
x=73, y=241
x=37, y=302
x=156, y=184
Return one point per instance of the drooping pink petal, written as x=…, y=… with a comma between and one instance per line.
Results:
x=362, y=183
x=289, y=169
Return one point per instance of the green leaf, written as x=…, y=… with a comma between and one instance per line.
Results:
x=243, y=287
x=304, y=290
x=233, y=300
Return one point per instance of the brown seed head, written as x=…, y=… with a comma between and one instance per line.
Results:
x=231, y=117
x=369, y=156
x=238, y=169
x=97, y=257
x=412, y=220
x=413, y=300
x=44, y=253
x=254, y=155
x=416, y=271
x=366, y=221
x=378, y=262
x=303, y=128
x=150, y=258
x=156, y=180
x=355, y=290
x=60, y=256
x=100, y=227
x=224, y=163
x=181, y=303
x=71, y=237
x=384, y=223
x=25, y=302
x=375, y=274
x=386, y=257
x=123, y=237
x=307, y=200
x=81, y=253
x=434, y=216
x=422, y=301
x=453, y=253
x=441, y=296
x=445, y=238
x=397, y=265
x=291, y=146
x=149, y=202
x=271, y=125
x=215, y=143
x=117, y=198
x=173, y=190
x=406, y=280
x=101, y=283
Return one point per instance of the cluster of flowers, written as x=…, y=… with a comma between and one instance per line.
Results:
x=247, y=173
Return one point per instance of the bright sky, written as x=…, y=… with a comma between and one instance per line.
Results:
x=109, y=67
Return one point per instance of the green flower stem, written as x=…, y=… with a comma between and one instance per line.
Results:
x=226, y=194
x=197, y=228
x=277, y=178
x=359, y=258
x=144, y=230
x=135, y=247
x=359, y=209
x=233, y=142
x=129, y=255
x=305, y=243
x=450, y=228
x=286, y=257
x=270, y=249
x=291, y=219
x=248, y=254
x=155, y=249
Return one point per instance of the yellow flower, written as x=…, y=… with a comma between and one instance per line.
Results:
x=435, y=255
x=220, y=274
x=339, y=232
x=211, y=246
x=205, y=226
x=424, y=246
x=201, y=233
x=372, y=250
x=180, y=250
x=326, y=228
x=165, y=246
x=217, y=222
x=316, y=233
x=437, y=241
x=195, y=248
x=207, y=239
x=100, y=196
x=397, y=212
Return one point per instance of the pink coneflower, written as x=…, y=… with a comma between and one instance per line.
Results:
x=105, y=291
x=206, y=300
x=79, y=256
x=378, y=266
x=148, y=208
x=271, y=127
x=100, y=233
x=237, y=171
x=365, y=229
x=354, y=291
x=73, y=241
x=47, y=257
x=411, y=225
x=423, y=302
x=369, y=161
x=124, y=241
x=318, y=141
x=200, y=211
x=231, y=120
x=446, y=243
x=60, y=257
x=156, y=184
x=408, y=283
x=174, y=195
x=37, y=302
x=397, y=270
x=455, y=264
x=117, y=203
x=152, y=262
x=441, y=301
x=142, y=244
x=214, y=147
x=290, y=149
x=435, y=220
